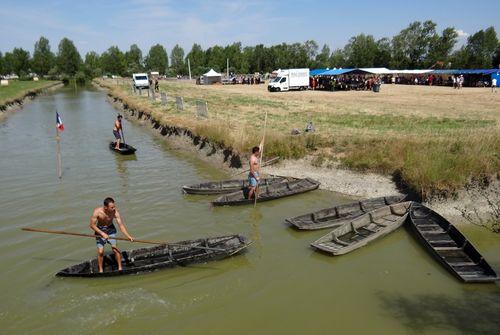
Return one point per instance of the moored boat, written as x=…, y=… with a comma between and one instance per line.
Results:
x=161, y=257
x=338, y=215
x=125, y=149
x=450, y=247
x=228, y=186
x=268, y=192
x=363, y=229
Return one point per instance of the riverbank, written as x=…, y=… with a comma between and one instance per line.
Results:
x=15, y=95
x=209, y=139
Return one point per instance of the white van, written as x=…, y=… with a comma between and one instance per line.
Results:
x=141, y=80
x=290, y=79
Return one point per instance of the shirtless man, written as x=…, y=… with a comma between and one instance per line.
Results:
x=101, y=223
x=253, y=175
x=116, y=131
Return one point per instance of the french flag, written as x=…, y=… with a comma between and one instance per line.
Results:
x=59, y=122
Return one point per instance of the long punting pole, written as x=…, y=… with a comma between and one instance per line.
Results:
x=189, y=69
x=61, y=232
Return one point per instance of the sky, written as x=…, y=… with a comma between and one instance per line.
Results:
x=97, y=25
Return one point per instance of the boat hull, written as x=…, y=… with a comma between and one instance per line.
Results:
x=125, y=149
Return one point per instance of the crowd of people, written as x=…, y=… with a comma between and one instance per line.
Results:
x=344, y=82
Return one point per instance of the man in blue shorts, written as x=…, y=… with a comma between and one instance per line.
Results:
x=253, y=175
x=116, y=131
x=101, y=223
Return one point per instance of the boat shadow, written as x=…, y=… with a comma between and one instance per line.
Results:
x=472, y=313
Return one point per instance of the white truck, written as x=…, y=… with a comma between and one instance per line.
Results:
x=140, y=80
x=289, y=79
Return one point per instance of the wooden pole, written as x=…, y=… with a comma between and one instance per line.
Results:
x=58, y=155
x=189, y=69
x=260, y=161
x=61, y=232
x=269, y=162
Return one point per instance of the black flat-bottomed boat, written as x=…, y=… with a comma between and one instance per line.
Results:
x=449, y=246
x=228, y=186
x=268, y=192
x=338, y=215
x=161, y=257
x=125, y=149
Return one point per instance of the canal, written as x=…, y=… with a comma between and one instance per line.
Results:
x=280, y=286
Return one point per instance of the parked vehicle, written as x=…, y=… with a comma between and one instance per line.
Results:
x=140, y=80
x=290, y=79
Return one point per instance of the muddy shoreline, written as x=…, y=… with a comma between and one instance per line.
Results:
x=333, y=178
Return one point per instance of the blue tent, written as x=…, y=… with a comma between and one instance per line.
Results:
x=337, y=72
x=316, y=72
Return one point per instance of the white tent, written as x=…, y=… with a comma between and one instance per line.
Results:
x=211, y=77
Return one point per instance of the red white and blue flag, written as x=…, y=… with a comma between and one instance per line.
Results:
x=59, y=122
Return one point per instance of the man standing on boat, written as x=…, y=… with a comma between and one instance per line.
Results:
x=116, y=131
x=101, y=223
x=253, y=175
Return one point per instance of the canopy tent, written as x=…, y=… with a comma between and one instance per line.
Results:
x=484, y=72
x=211, y=77
x=317, y=72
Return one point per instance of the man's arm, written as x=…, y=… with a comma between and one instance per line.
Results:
x=122, y=226
x=93, y=225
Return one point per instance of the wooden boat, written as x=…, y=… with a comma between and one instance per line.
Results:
x=336, y=216
x=363, y=230
x=228, y=186
x=449, y=246
x=268, y=192
x=125, y=149
x=161, y=257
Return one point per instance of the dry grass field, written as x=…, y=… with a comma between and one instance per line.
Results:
x=434, y=139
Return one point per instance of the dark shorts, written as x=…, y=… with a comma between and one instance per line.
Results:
x=111, y=231
x=117, y=134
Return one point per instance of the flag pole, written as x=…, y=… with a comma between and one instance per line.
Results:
x=58, y=155
x=260, y=162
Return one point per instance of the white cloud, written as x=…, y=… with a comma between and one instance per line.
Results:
x=461, y=33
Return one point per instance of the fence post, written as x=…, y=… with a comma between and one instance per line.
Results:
x=179, y=102
x=163, y=96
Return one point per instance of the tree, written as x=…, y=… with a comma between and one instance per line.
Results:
x=196, y=59
x=323, y=58
x=2, y=67
x=113, y=61
x=338, y=59
x=133, y=60
x=496, y=58
x=383, y=54
x=361, y=51
x=92, y=64
x=8, y=61
x=215, y=58
x=68, y=58
x=157, y=59
x=177, y=60
x=481, y=48
x=411, y=45
x=43, y=58
x=441, y=47
x=20, y=61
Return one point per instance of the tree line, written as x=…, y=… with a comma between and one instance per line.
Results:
x=419, y=45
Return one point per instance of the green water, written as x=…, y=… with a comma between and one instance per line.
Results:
x=280, y=286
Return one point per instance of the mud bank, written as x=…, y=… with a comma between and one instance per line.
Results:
x=16, y=104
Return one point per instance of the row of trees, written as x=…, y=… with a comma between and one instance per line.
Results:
x=417, y=46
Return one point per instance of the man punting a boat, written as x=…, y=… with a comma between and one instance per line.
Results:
x=101, y=223
x=116, y=131
x=253, y=175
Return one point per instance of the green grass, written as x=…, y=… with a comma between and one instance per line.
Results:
x=18, y=89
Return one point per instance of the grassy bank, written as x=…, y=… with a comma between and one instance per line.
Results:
x=18, y=89
x=433, y=139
